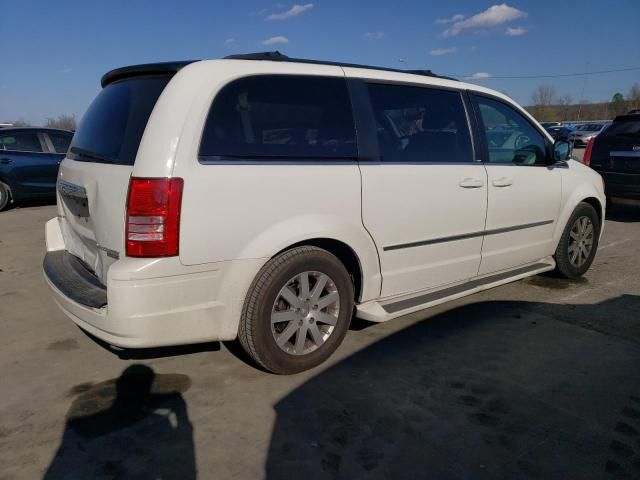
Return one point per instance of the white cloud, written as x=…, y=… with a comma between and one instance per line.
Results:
x=292, y=12
x=491, y=17
x=443, y=51
x=479, y=76
x=229, y=41
x=374, y=35
x=278, y=39
x=455, y=18
x=515, y=31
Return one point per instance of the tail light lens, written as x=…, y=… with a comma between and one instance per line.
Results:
x=586, y=159
x=153, y=217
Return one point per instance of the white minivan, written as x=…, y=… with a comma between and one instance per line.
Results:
x=271, y=199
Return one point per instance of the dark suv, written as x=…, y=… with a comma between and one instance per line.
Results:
x=29, y=159
x=615, y=154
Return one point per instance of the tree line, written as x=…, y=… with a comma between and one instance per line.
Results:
x=65, y=122
x=548, y=106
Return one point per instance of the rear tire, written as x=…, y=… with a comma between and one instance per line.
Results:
x=5, y=196
x=297, y=310
x=579, y=242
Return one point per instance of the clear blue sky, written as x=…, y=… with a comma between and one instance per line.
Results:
x=54, y=52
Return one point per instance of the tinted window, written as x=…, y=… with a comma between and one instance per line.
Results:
x=625, y=127
x=417, y=124
x=281, y=116
x=21, y=142
x=112, y=127
x=510, y=136
x=60, y=141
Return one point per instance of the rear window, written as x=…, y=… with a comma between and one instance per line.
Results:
x=277, y=116
x=626, y=127
x=112, y=127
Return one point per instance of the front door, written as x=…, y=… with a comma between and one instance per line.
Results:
x=524, y=190
x=424, y=201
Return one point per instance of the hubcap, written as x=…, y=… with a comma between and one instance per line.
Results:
x=305, y=313
x=580, y=241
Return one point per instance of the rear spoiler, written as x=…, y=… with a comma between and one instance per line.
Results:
x=166, y=68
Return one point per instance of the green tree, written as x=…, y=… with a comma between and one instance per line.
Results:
x=618, y=104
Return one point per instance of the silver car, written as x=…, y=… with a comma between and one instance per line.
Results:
x=585, y=132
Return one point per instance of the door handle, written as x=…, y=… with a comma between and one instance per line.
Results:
x=471, y=183
x=502, y=182
x=5, y=161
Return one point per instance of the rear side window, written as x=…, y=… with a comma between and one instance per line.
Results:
x=112, y=127
x=419, y=124
x=278, y=116
x=21, y=142
x=60, y=141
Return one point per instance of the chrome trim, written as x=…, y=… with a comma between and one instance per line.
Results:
x=465, y=236
x=621, y=153
x=449, y=291
x=71, y=189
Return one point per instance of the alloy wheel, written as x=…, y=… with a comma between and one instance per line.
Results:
x=305, y=313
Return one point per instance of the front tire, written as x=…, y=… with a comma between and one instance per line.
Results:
x=5, y=196
x=297, y=311
x=579, y=242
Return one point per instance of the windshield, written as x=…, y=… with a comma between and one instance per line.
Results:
x=112, y=127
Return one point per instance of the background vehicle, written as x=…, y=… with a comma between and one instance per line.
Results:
x=615, y=154
x=585, y=132
x=232, y=198
x=560, y=132
x=29, y=160
x=546, y=125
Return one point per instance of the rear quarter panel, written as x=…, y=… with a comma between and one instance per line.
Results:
x=242, y=210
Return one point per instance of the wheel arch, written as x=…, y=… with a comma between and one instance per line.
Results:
x=581, y=196
x=344, y=253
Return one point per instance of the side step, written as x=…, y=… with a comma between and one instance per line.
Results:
x=383, y=310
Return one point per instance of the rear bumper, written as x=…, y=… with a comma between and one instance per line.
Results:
x=150, y=302
x=622, y=185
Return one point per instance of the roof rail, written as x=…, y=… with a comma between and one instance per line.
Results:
x=276, y=56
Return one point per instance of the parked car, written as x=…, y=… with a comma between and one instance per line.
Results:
x=635, y=111
x=269, y=199
x=29, y=160
x=615, y=154
x=585, y=132
x=546, y=125
x=559, y=132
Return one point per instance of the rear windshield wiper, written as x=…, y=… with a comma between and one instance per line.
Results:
x=89, y=154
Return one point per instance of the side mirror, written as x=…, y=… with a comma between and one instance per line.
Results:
x=561, y=151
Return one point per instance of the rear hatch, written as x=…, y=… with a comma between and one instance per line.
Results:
x=94, y=178
x=617, y=149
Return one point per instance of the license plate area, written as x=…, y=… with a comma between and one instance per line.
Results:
x=75, y=199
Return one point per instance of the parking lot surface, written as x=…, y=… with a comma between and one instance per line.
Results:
x=535, y=379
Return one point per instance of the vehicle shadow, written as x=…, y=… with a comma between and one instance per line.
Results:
x=494, y=389
x=622, y=212
x=135, y=426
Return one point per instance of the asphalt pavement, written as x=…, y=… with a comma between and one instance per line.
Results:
x=535, y=379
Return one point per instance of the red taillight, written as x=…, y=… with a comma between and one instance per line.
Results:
x=153, y=217
x=586, y=159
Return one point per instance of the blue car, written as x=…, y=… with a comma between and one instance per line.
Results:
x=29, y=160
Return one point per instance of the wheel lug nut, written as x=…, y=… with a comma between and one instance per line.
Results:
x=312, y=320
